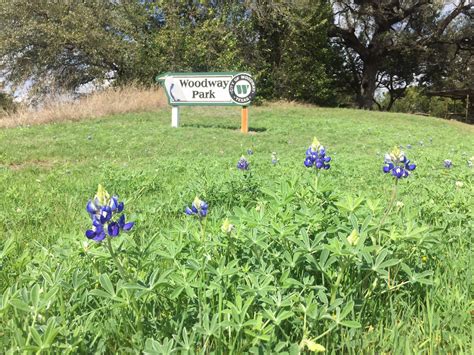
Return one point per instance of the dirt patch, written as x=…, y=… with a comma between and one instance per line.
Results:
x=44, y=164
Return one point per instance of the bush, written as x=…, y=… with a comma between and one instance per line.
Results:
x=7, y=104
x=415, y=101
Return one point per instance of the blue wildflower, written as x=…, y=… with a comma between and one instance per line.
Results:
x=448, y=163
x=274, y=158
x=243, y=163
x=249, y=152
x=316, y=156
x=102, y=210
x=408, y=146
x=198, y=208
x=397, y=164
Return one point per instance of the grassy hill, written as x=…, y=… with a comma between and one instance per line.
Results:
x=273, y=284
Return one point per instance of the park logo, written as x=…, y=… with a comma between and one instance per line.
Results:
x=242, y=89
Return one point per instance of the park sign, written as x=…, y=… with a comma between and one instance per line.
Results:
x=203, y=89
x=220, y=89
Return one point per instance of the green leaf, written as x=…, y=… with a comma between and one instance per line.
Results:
x=350, y=324
x=18, y=304
x=347, y=309
x=107, y=284
x=283, y=315
x=7, y=248
x=35, y=291
x=51, y=332
x=177, y=291
x=389, y=263
x=100, y=293
x=36, y=336
x=380, y=258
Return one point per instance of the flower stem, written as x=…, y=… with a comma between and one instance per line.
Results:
x=316, y=181
x=120, y=268
x=325, y=333
x=338, y=281
x=201, y=288
x=389, y=207
x=203, y=228
x=126, y=276
x=33, y=322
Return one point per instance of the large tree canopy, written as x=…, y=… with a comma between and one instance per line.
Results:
x=386, y=44
x=66, y=44
x=384, y=40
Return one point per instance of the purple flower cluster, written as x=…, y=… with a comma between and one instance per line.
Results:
x=397, y=164
x=103, y=211
x=448, y=163
x=243, y=164
x=198, y=208
x=316, y=156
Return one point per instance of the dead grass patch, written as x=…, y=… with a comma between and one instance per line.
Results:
x=104, y=103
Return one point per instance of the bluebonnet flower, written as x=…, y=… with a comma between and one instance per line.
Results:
x=243, y=163
x=198, y=208
x=227, y=227
x=448, y=163
x=249, y=152
x=397, y=163
x=408, y=146
x=316, y=156
x=102, y=210
x=274, y=158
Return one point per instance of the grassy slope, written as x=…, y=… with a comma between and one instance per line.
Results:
x=48, y=172
x=64, y=162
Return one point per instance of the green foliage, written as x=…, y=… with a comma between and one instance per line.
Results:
x=415, y=101
x=389, y=43
x=66, y=44
x=292, y=58
x=309, y=263
x=6, y=103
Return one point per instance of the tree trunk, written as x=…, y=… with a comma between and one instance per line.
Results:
x=367, y=85
x=391, y=102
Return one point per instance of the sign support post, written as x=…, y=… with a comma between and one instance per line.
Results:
x=244, y=127
x=175, y=116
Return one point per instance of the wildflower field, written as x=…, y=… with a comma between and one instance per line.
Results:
x=204, y=240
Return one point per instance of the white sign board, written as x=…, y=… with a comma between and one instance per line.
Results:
x=208, y=88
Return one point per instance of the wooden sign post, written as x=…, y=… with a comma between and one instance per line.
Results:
x=209, y=89
x=244, y=126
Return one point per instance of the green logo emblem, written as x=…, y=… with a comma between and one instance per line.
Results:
x=242, y=89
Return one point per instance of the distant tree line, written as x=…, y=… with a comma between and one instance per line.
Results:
x=334, y=53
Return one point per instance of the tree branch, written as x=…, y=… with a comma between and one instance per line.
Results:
x=350, y=39
x=445, y=23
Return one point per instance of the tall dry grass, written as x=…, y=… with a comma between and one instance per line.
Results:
x=107, y=102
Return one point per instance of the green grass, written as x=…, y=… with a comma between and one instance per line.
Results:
x=47, y=278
